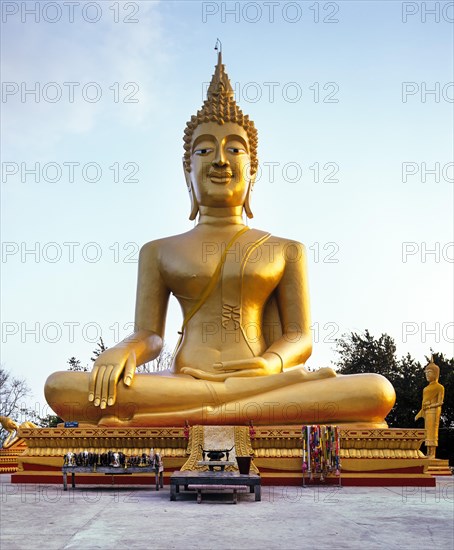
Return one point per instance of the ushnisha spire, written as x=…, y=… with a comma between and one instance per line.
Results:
x=220, y=107
x=220, y=86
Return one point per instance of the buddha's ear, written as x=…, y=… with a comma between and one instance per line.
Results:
x=194, y=203
x=247, y=202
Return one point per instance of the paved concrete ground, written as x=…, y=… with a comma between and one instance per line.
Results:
x=34, y=516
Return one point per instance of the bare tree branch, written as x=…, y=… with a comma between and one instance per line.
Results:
x=12, y=391
x=161, y=363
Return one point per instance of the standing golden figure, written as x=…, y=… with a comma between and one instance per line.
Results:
x=432, y=401
x=244, y=296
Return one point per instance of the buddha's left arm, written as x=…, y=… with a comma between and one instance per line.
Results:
x=440, y=396
x=294, y=347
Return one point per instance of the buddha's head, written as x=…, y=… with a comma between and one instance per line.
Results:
x=432, y=371
x=220, y=143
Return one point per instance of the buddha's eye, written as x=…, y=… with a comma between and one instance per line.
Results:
x=236, y=150
x=203, y=151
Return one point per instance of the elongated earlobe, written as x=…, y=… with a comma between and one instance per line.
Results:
x=247, y=202
x=194, y=203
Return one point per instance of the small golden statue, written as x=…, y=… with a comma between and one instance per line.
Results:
x=12, y=427
x=246, y=330
x=432, y=401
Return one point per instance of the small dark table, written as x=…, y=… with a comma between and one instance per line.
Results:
x=108, y=470
x=233, y=479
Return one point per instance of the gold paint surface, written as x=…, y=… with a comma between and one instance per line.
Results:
x=244, y=297
x=432, y=401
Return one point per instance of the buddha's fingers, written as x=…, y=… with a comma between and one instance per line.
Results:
x=91, y=384
x=241, y=373
x=105, y=385
x=255, y=363
x=130, y=369
x=249, y=372
x=221, y=377
x=202, y=375
x=113, y=382
x=196, y=373
x=98, y=388
x=221, y=367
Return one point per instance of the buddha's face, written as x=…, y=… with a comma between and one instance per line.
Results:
x=220, y=165
x=431, y=375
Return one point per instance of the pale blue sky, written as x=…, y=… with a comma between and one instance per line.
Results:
x=362, y=220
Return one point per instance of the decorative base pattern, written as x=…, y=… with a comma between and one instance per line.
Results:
x=368, y=456
x=50, y=442
x=9, y=457
x=286, y=442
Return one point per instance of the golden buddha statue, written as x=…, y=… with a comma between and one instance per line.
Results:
x=432, y=401
x=244, y=296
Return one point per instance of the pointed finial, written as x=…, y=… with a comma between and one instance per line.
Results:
x=220, y=84
x=219, y=50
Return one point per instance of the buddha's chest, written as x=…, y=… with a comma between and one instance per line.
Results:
x=431, y=392
x=189, y=272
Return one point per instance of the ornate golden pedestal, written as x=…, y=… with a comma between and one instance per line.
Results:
x=42, y=460
x=10, y=456
x=439, y=467
x=378, y=457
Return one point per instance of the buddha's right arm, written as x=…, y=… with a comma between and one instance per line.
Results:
x=138, y=348
x=144, y=344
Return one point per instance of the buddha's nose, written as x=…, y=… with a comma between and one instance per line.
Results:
x=220, y=158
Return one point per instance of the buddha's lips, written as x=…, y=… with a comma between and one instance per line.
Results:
x=220, y=177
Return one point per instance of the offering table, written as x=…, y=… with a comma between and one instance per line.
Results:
x=108, y=470
x=208, y=480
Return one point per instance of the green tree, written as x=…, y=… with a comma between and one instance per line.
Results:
x=76, y=365
x=408, y=381
x=98, y=350
x=48, y=421
x=362, y=353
